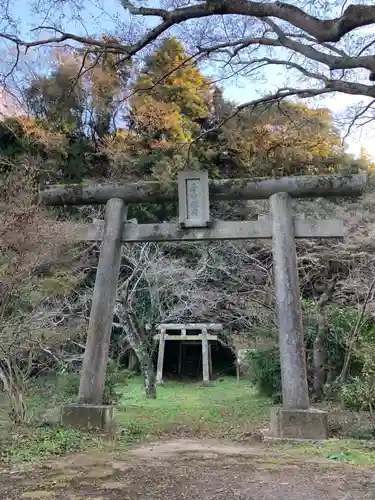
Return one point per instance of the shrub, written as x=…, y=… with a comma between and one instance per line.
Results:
x=40, y=443
x=69, y=383
x=341, y=322
x=357, y=394
x=264, y=370
x=114, y=378
x=364, y=433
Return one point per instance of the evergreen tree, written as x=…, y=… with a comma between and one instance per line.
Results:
x=172, y=97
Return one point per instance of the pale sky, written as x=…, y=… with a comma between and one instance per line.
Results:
x=96, y=19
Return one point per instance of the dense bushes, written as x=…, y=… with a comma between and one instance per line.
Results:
x=56, y=156
x=358, y=394
x=68, y=383
x=356, y=390
x=264, y=370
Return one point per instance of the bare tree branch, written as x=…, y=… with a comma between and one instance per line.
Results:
x=331, y=30
x=245, y=37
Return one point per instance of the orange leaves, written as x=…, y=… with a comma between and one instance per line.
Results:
x=158, y=119
x=284, y=139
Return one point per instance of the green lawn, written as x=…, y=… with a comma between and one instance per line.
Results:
x=350, y=451
x=224, y=409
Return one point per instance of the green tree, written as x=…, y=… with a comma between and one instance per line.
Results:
x=172, y=98
x=273, y=140
x=245, y=38
x=366, y=160
x=59, y=99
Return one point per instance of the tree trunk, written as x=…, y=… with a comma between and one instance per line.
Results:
x=143, y=350
x=320, y=355
x=150, y=378
x=132, y=364
x=320, y=342
x=148, y=371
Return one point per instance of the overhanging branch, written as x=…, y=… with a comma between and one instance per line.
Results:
x=331, y=30
x=322, y=31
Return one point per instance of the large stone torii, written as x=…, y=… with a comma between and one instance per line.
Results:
x=295, y=419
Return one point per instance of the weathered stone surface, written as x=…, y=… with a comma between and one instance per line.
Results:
x=103, y=303
x=229, y=189
x=288, y=304
x=205, y=361
x=159, y=369
x=299, y=424
x=84, y=416
x=218, y=230
x=193, y=198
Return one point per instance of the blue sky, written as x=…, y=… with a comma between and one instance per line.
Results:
x=95, y=19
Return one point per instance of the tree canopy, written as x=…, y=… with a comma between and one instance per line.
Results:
x=171, y=96
x=325, y=46
x=121, y=121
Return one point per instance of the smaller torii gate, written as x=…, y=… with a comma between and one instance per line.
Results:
x=204, y=337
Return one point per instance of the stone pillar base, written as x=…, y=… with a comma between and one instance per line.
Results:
x=207, y=383
x=86, y=416
x=299, y=424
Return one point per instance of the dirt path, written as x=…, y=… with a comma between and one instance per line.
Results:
x=191, y=470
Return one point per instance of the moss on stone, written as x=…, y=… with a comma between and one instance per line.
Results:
x=228, y=189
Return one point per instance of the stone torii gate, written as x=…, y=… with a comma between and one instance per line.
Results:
x=204, y=337
x=295, y=419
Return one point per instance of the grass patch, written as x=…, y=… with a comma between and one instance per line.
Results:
x=30, y=444
x=340, y=450
x=40, y=437
x=226, y=409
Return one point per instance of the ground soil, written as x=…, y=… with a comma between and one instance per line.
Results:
x=191, y=470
